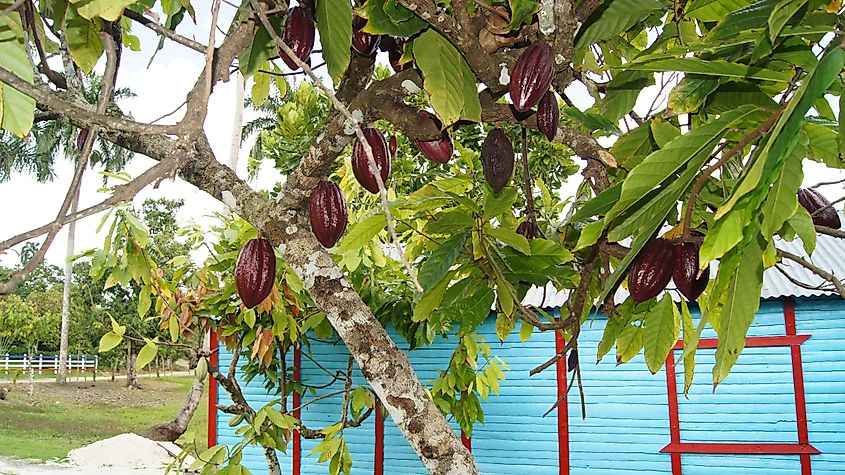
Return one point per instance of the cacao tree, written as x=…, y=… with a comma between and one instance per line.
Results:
x=744, y=92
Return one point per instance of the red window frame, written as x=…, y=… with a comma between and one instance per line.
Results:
x=802, y=448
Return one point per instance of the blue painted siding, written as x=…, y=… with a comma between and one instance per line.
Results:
x=627, y=414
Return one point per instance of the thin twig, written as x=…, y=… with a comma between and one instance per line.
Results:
x=162, y=31
x=836, y=182
x=814, y=269
x=359, y=133
x=11, y=8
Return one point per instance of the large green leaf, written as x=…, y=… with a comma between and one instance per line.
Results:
x=109, y=10
x=509, y=237
x=613, y=18
x=713, y=10
x=260, y=50
x=802, y=223
x=16, y=108
x=784, y=135
x=741, y=304
x=108, y=341
x=521, y=12
x=822, y=145
x=690, y=93
x=83, y=38
x=629, y=343
x=386, y=18
x=751, y=17
x=782, y=200
x=334, y=22
x=726, y=234
x=715, y=68
x=663, y=163
x=690, y=343
x=437, y=265
x=662, y=325
x=781, y=14
x=599, y=205
x=449, y=82
x=359, y=234
x=146, y=355
x=622, y=92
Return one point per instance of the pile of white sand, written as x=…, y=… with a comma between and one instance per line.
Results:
x=128, y=454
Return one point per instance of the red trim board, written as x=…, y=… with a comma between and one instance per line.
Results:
x=802, y=448
x=562, y=407
x=212, y=390
x=378, y=455
x=297, y=442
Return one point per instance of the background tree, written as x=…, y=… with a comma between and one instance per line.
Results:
x=745, y=96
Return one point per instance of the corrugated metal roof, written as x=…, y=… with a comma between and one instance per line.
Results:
x=828, y=255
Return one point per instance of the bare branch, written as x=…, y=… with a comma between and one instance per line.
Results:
x=814, y=269
x=162, y=31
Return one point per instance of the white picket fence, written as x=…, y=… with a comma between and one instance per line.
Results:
x=40, y=363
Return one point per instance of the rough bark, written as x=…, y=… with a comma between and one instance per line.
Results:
x=174, y=429
x=61, y=372
x=131, y=366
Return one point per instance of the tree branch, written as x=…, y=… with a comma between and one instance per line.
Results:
x=162, y=31
x=814, y=269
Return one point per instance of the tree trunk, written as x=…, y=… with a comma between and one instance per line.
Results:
x=237, y=122
x=174, y=429
x=61, y=372
x=131, y=367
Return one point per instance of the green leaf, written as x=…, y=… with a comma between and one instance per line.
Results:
x=599, y=205
x=803, y=225
x=663, y=163
x=525, y=331
x=396, y=21
x=713, y=10
x=622, y=92
x=144, y=300
x=17, y=110
x=249, y=317
x=781, y=14
x=430, y=300
x=449, y=82
x=629, y=343
x=109, y=341
x=510, y=237
x=715, y=68
x=146, y=355
x=83, y=37
x=725, y=235
x=589, y=235
x=334, y=22
x=750, y=17
x=784, y=135
x=613, y=18
x=474, y=309
x=663, y=131
x=173, y=327
x=661, y=332
x=437, y=265
x=631, y=148
x=117, y=328
x=260, y=50
x=741, y=304
x=260, y=87
x=782, y=201
x=109, y=10
x=496, y=204
x=521, y=12
x=361, y=233
x=690, y=93
x=614, y=327
x=822, y=146
x=451, y=221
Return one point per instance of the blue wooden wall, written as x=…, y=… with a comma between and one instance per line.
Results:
x=627, y=412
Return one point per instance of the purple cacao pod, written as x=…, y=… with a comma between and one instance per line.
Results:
x=497, y=159
x=395, y=49
x=651, y=270
x=328, y=214
x=440, y=150
x=362, y=42
x=392, y=145
x=572, y=361
x=531, y=76
x=813, y=201
x=81, y=138
x=255, y=271
x=548, y=115
x=686, y=269
x=298, y=34
x=528, y=229
x=361, y=165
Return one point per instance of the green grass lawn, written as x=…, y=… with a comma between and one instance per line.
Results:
x=66, y=417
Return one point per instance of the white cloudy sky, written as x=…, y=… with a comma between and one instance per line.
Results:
x=160, y=88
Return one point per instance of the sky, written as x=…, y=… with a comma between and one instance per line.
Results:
x=159, y=89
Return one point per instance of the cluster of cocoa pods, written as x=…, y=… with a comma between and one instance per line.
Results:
x=819, y=207
x=662, y=260
x=530, y=83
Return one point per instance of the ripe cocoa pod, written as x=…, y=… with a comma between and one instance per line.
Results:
x=438, y=151
x=392, y=145
x=81, y=138
x=363, y=42
x=298, y=34
x=395, y=47
x=528, y=229
x=255, y=271
x=328, y=214
x=548, y=115
x=531, y=76
x=685, y=270
x=813, y=201
x=651, y=270
x=572, y=361
x=497, y=159
x=361, y=165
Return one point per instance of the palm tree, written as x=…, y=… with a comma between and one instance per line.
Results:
x=37, y=155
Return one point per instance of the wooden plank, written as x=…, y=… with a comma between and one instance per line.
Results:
x=730, y=448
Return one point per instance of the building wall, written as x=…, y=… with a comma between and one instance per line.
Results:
x=627, y=421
